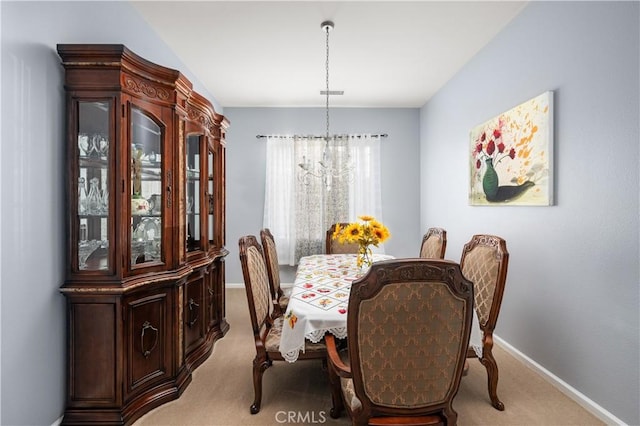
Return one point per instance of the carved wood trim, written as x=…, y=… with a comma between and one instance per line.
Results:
x=410, y=270
x=142, y=87
x=202, y=118
x=492, y=241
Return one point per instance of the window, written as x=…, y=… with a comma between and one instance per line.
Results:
x=307, y=188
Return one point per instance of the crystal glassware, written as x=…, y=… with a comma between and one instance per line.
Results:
x=94, y=199
x=82, y=196
x=83, y=144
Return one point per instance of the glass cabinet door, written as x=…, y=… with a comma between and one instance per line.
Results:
x=210, y=198
x=146, y=188
x=192, y=193
x=93, y=185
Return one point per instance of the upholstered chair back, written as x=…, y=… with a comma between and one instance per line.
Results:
x=484, y=262
x=434, y=244
x=256, y=281
x=273, y=269
x=334, y=246
x=409, y=323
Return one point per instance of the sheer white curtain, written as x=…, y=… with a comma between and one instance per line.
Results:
x=279, y=216
x=364, y=189
x=301, y=202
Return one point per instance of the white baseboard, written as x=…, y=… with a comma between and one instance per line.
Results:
x=234, y=285
x=561, y=385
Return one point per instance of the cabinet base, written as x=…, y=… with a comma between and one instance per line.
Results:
x=131, y=412
x=147, y=401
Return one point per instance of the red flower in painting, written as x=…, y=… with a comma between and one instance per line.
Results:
x=489, y=145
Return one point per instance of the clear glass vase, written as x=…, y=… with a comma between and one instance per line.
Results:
x=365, y=258
x=94, y=199
x=82, y=196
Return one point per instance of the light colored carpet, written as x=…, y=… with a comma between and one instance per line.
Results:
x=298, y=394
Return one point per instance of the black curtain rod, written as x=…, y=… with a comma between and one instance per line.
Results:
x=381, y=135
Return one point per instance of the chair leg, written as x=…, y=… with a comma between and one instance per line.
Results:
x=336, y=393
x=259, y=367
x=492, y=375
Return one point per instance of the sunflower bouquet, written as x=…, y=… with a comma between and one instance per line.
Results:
x=366, y=233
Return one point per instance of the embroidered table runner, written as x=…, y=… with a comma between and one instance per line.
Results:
x=319, y=299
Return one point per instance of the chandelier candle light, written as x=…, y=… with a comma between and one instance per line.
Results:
x=369, y=232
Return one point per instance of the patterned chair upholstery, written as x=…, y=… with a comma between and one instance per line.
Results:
x=267, y=328
x=484, y=261
x=434, y=244
x=409, y=322
x=334, y=247
x=280, y=300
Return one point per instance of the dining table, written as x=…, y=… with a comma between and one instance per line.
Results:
x=319, y=299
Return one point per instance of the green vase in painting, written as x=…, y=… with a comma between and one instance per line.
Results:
x=490, y=181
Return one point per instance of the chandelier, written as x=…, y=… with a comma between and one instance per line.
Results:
x=326, y=169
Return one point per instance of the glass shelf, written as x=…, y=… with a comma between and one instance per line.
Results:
x=210, y=196
x=146, y=188
x=192, y=191
x=93, y=213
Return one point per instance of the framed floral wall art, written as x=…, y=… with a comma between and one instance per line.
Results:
x=511, y=156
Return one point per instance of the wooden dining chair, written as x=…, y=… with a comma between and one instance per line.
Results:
x=280, y=300
x=334, y=246
x=434, y=244
x=403, y=366
x=484, y=261
x=267, y=328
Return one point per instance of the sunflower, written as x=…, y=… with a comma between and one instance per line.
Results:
x=367, y=232
x=352, y=232
x=337, y=231
x=374, y=224
x=381, y=234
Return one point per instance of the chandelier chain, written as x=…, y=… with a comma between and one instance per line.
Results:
x=327, y=29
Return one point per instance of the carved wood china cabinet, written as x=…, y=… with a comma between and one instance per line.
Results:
x=146, y=233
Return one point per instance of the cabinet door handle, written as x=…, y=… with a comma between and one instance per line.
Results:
x=145, y=326
x=169, y=189
x=193, y=307
x=211, y=203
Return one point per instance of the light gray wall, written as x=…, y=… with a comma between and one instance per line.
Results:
x=33, y=333
x=572, y=292
x=571, y=300
x=246, y=169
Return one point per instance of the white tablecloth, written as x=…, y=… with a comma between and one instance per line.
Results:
x=319, y=298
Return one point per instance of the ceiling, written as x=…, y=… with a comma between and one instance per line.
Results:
x=382, y=54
